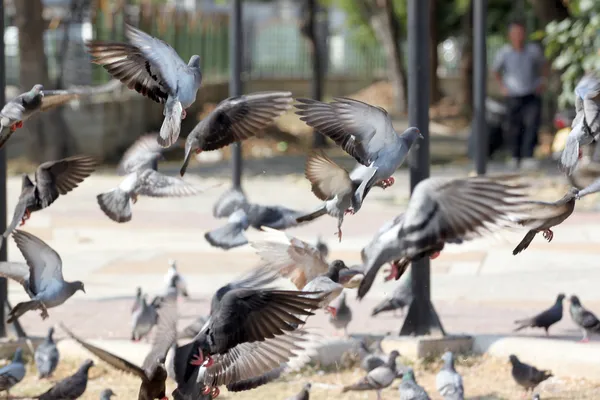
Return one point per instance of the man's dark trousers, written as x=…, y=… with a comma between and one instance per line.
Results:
x=524, y=114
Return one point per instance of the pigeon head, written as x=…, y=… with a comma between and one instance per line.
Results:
x=411, y=135
x=334, y=270
x=307, y=387
x=26, y=182
x=513, y=359
x=18, y=357
x=393, y=355
x=322, y=247
x=408, y=375
x=36, y=90
x=448, y=358
x=78, y=285
x=575, y=301
x=173, y=264
x=560, y=298
x=192, y=143
x=50, y=333
x=107, y=394
x=87, y=364
x=138, y=292
x=194, y=61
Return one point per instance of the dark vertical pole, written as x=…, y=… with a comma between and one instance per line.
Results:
x=3, y=254
x=480, y=85
x=421, y=316
x=236, y=50
x=318, y=59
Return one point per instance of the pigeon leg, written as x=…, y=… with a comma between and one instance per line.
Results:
x=13, y=127
x=44, y=314
x=198, y=151
x=548, y=235
x=349, y=211
x=198, y=359
x=209, y=362
x=580, y=154
x=393, y=272
x=207, y=390
x=386, y=183
x=339, y=233
x=25, y=217
x=183, y=114
x=379, y=395
x=214, y=393
x=331, y=310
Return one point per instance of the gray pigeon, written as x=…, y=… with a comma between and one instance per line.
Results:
x=70, y=388
x=377, y=379
x=143, y=320
x=235, y=119
x=585, y=128
x=144, y=153
x=368, y=360
x=546, y=318
x=52, y=179
x=401, y=298
x=138, y=299
x=536, y=397
x=441, y=210
x=41, y=277
x=154, y=69
x=448, y=382
x=343, y=315
x=174, y=280
x=327, y=286
x=230, y=201
x=304, y=394
x=27, y=104
x=542, y=216
x=46, y=356
x=106, y=394
x=364, y=132
x=12, y=373
x=140, y=179
x=526, y=375
x=585, y=319
x=409, y=388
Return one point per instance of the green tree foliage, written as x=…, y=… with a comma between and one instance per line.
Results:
x=574, y=45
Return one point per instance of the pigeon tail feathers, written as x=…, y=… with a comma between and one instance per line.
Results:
x=116, y=204
x=313, y=215
x=22, y=308
x=169, y=131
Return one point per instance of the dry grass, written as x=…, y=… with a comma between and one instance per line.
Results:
x=485, y=378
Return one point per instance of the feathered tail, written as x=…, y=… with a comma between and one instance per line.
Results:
x=523, y=323
x=169, y=131
x=227, y=237
x=524, y=243
x=363, y=384
x=313, y=215
x=116, y=204
x=22, y=308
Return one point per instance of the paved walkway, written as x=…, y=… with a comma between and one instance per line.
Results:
x=477, y=287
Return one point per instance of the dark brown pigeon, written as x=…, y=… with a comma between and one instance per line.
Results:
x=70, y=388
x=526, y=375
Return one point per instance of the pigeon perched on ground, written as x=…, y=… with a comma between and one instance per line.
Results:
x=304, y=393
x=401, y=298
x=235, y=119
x=546, y=318
x=378, y=379
x=327, y=286
x=230, y=201
x=24, y=106
x=70, y=388
x=154, y=69
x=544, y=216
x=46, y=356
x=364, y=132
x=180, y=282
x=409, y=388
x=106, y=394
x=343, y=314
x=52, y=179
x=526, y=375
x=143, y=320
x=448, y=382
x=152, y=373
x=585, y=319
x=140, y=179
x=137, y=302
x=441, y=210
x=586, y=124
x=250, y=331
x=12, y=373
x=41, y=277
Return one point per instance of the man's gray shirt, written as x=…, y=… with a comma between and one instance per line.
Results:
x=521, y=70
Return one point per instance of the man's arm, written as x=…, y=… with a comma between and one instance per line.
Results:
x=498, y=68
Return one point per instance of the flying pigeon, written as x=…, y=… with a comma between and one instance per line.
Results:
x=52, y=179
x=140, y=179
x=526, y=375
x=253, y=383
x=364, y=132
x=143, y=319
x=152, y=373
x=401, y=298
x=448, y=382
x=106, y=394
x=41, y=277
x=154, y=69
x=327, y=286
x=377, y=379
x=544, y=216
x=137, y=302
x=179, y=281
x=235, y=119
x=12, y=373
x=546, y=318
x=27, y=104
x=343, y=314
x=442, y=210
x=46, y=356
x=144, y=153
x=585, y=128
x=230, y=201
x=70, y=388
x=585, y=319
x=304, y=394
x=409, y=388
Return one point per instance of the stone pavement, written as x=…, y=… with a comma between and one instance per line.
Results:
x=478, y=287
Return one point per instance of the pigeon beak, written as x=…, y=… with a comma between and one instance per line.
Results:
x=186, y=160
x=83, y=289
x=421, y=136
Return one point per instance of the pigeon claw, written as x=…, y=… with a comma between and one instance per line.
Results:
x=349, y=211
x=339, y=234
x=25, y=217
x=393, y=272
x=198, y=151
x=209, y=362
x=434, y=255
x=198, y=359
x=386, y=183
x=548, y=235
x=331, y=310
x=206, y=390
x=214, y=393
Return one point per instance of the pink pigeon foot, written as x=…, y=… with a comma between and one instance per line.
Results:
x=434, y=255
x=198, y=359
x=339, y=234
x=331, y=310
x=349, y=211
x=584, y=340
x=393, y=272
x=386, y=183
x=548, y=235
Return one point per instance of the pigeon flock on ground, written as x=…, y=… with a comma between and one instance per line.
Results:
x=254, y=329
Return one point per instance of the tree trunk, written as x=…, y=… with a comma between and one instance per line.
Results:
x=47, y=133
x=434, y=83
x=549, y=10
x=466, y=68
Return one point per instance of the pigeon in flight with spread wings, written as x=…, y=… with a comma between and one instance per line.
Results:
x=235, y=119
x=154, y=69
x=152, y=373
x=365, y=133
x=52, y=179
x=141, y=179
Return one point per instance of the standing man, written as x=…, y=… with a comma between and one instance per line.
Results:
x=521, y=70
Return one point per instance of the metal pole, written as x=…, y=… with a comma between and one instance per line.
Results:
x=3, y=253
x=315, y=15
x=480, y=85
x=236, y=49
x=421, y=316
